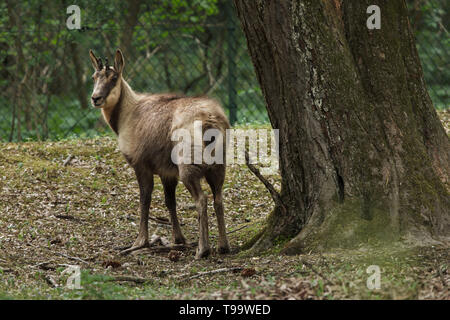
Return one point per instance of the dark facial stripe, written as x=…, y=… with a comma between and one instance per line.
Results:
x=114, y=120
x=108, y=86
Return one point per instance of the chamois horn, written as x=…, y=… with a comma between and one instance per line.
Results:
x=100, y=63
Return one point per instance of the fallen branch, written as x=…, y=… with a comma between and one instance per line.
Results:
x=51, y=281
x=177, y=247
x=232, y=231
x=273, y=192
x=160, y=220
x=320, y=274
x=200, y=274
x=66, y=255
x=159, y=248
x=64, y=265
x=70, y=257
x=240, y=228
x=2, y=269
x=43, y=265
x=157, y=240
x=68, y=160
x=66, y=217
x=129, y=279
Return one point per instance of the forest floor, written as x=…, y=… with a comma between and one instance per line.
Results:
x=55, y=213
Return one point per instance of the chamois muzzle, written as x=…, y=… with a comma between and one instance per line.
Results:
x=97, y=101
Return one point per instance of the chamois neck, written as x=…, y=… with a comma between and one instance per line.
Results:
x=127, y=95
x=126, y=102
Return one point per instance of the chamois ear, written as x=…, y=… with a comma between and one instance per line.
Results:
x=119, y=62
x=95, y=62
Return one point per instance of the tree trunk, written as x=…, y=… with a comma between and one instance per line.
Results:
x=20, y=74
x=79, y=71
x=363, y=155
x=130, y=22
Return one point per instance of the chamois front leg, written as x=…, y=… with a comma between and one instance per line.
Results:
x=145, y=180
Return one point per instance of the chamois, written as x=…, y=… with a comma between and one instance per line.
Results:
x=144, y=124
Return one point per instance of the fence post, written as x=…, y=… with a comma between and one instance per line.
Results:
x=231, y=52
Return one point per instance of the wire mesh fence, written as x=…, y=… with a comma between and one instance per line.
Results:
x=430, y=20
x=45, y=69
x=46, y=81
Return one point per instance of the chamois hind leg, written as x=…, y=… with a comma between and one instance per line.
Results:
x=170, y=185
x=215, y=177
x=145, y=181
x=190, y=175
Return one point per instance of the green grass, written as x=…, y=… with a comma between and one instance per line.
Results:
x=98, y=195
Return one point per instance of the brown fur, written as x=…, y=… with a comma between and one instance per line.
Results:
x=144, y=124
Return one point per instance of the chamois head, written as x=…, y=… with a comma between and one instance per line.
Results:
x=107, y=80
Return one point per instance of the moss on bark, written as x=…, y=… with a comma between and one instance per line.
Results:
x=364, y=158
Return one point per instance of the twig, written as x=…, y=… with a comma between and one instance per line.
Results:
x=5, y=269
x=43, y=265
x=273, y=192
x=70, y=257
x=51, y=281
x=320, y=274
x=66, y=255
x=66, y=217
x=178, y=247
x=441, y=276
x=200, y=274
x=68, y=159
x=245, y=226
x=156, y=240
x=129, y=279
x=237, y=229
x=159, y=220
x=64, y=265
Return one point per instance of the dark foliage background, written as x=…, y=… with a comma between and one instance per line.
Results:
x=192, y=47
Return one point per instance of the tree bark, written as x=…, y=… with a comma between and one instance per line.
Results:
x=79, y=71
x=363, y=155
x=131, y=21
x=20, y=74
